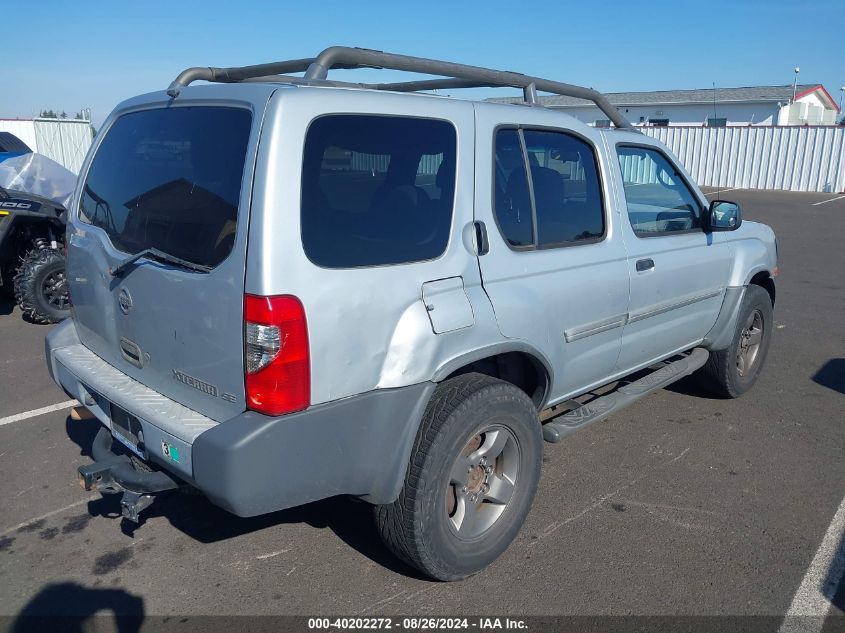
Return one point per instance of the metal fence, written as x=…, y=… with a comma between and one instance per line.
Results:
x=799, y=158
x=66, y=141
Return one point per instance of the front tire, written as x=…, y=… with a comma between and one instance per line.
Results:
x=731, y=372
x=473, y=474
x=41, y=287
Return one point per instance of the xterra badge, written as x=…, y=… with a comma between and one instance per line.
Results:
x=196, y=383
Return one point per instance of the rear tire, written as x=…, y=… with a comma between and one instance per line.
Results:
x=731, y=372
x=473, y=474
x=41, y=287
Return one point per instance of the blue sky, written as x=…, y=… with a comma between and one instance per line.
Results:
x=75, y=55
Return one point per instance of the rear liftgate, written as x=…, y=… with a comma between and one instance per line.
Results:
x=112, y=473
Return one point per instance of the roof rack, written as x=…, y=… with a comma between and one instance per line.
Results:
x=453, y=75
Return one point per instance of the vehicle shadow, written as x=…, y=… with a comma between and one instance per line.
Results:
x=82, y=433
x=691, y=386
x=349, y=519
x=69, y=607
x=191, y=513
x=7, y=304
x=832, y=375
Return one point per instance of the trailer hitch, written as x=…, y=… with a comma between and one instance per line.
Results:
x=117, y=474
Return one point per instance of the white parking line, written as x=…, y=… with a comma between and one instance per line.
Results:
x=67, y=404
x=815, y=204
x=812, y=600
x=722, y=191
x=15, y=528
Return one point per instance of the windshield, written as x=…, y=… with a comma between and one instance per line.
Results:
x=170, y=179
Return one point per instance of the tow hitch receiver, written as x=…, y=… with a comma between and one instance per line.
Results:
x=112, y=474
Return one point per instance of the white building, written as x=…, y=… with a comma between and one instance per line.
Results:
x=66, y=141
x=754, y=105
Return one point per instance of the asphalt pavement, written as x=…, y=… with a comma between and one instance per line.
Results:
x=680, y=505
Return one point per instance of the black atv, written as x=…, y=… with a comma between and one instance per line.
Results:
x=32, y=262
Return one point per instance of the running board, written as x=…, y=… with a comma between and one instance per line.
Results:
x=628, y=393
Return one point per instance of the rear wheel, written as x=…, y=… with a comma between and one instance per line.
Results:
x=41, y=287
x=733, y=371
x=473, y=475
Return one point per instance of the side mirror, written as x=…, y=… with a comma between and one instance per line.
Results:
x=723, y=215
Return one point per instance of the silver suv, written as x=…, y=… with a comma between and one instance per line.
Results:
x=287, y=288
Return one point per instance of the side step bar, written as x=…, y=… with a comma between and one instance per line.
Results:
x=628, y=393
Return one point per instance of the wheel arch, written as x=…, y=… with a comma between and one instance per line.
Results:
x=512, y=361
x=764, y=279
x=29, y=227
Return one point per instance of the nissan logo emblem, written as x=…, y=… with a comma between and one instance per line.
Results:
x=124, y=299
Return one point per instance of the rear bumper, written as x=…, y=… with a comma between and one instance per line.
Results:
x=253, y=464
x=359, y=446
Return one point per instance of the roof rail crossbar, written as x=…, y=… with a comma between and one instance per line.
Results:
x=234, y=74
x=430, y=84
x=455, y=76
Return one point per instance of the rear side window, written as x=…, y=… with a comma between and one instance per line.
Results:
x=551, y=179
x=659, y=201
x=512, y=198
x=170, y=179
x=377, y=190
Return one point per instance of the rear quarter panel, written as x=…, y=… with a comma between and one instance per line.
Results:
x=368, y=327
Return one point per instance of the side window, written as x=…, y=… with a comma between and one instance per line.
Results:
x=659, y=201
x=377, y=190
x=567, y=196
x=556, y=172
x=511, y=198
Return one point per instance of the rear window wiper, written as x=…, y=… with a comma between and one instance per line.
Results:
x=154, y=253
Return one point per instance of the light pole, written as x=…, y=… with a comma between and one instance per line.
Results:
x=795, y=83
x=841, y=92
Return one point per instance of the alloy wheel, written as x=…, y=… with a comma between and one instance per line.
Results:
x=749, y=343
x=481, y=482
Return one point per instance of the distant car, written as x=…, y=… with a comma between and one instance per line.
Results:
x=11, y=146
x=289, y=288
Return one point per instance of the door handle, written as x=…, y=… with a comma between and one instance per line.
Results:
x=482, y=243
x=644, y=265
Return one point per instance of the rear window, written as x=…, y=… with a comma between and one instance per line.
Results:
x=170, y=179
x=377, y=190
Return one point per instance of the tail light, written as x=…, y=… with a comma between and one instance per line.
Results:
x=276, y=360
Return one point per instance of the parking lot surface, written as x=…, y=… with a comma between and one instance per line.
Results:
x=681, y=504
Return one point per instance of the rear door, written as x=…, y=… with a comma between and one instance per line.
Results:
x=556, y=272
x=678, y=272
x=177, y=179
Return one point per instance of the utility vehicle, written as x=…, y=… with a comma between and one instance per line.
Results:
x=288, y=287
